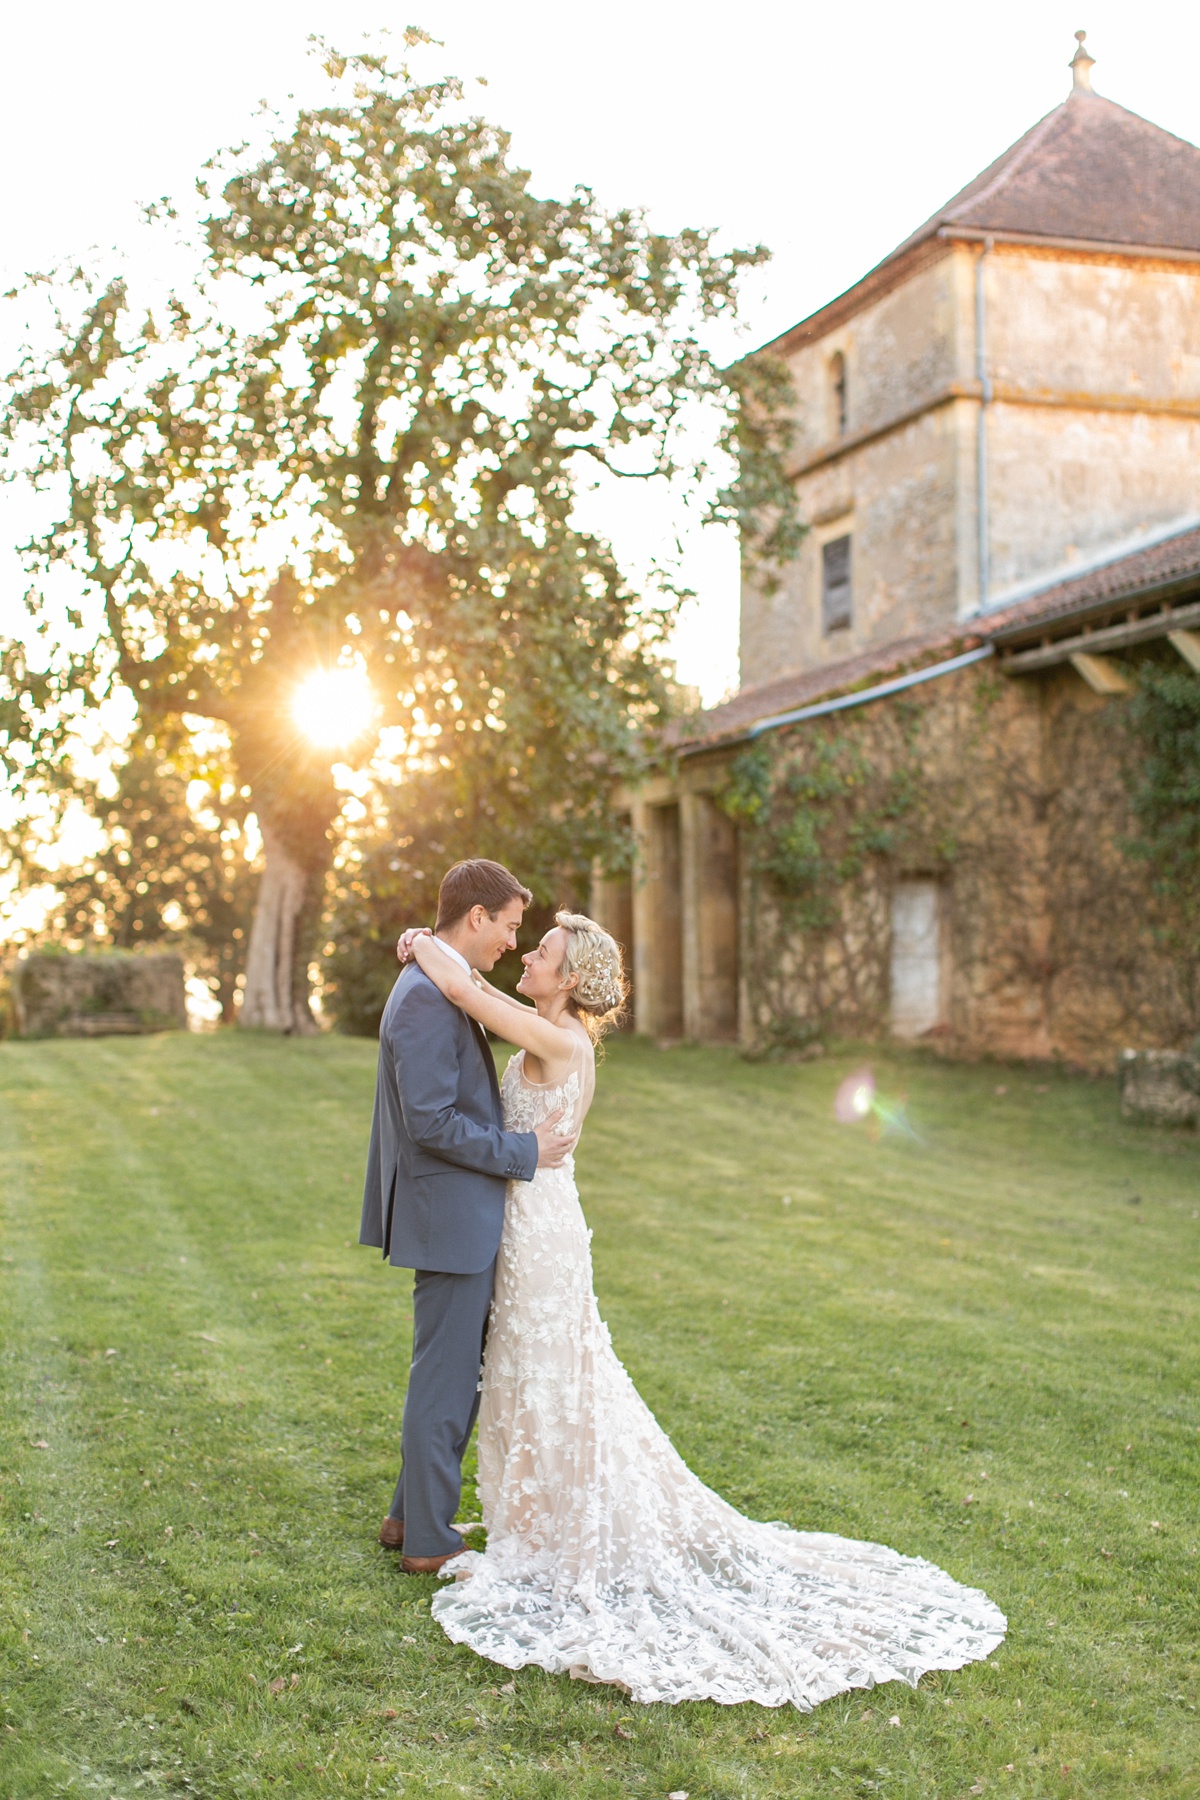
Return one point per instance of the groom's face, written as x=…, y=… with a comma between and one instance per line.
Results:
x=495, y=935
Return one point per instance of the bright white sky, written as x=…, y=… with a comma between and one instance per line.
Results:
x=827, y=132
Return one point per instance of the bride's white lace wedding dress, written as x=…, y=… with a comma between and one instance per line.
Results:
x=607, y=1558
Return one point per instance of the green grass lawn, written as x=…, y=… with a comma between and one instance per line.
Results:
x=980, y=1348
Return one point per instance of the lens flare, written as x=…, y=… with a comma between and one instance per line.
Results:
x=855, y=1097
x=858, y=1101
x=334, y=707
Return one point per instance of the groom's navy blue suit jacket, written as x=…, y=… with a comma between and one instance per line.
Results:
x=440, y=1157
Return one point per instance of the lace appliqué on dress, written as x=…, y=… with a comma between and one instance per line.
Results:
x=607, y=1558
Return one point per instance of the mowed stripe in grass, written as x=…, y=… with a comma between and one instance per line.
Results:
x=978, y=1344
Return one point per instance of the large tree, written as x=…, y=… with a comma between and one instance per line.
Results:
x=346, y=449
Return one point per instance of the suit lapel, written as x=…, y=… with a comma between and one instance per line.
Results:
x=489, y=1061
x=473, y=1026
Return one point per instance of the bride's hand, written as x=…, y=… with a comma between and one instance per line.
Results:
x=404, y=947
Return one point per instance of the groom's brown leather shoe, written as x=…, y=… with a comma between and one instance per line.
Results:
x=426, y=1565
x=391, y=1534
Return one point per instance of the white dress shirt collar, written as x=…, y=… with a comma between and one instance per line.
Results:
x=451, y=951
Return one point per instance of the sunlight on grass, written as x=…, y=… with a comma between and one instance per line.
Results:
x=975, y=1340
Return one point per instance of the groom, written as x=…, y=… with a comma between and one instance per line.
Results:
x=437, y=1170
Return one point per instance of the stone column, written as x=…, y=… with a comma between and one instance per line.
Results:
x=643, y=925
x=691, y=845
x=658, y=1010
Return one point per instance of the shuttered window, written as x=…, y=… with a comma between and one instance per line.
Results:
x=835, y=584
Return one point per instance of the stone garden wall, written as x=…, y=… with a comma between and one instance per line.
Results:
x=58, y=995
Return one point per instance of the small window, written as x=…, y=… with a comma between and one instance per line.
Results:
x=835, y=584
x=837, y=388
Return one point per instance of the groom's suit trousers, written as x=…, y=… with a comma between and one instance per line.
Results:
x=450, y=1315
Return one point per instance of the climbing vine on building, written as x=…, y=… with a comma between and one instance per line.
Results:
x=1164, y=789
x=820, y=808
x=1065, y=834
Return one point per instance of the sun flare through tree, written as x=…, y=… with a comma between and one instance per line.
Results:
x=326, y=487
x=334, y=708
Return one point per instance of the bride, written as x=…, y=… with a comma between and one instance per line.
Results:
x=606, y=1558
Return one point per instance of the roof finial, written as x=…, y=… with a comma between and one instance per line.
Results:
x=1081, y=67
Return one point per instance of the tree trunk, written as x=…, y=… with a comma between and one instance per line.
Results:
x=227, y=997
x=276, y=997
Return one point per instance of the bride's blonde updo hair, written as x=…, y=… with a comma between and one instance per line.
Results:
x=595, y=957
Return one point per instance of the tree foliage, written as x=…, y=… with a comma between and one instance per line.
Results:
x=162, y=876
x=387, y=878
x=354, y=437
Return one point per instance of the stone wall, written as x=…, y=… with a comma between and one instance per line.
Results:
x=1011, y=796
x=899, y=348
x=891, y=479
x=1092, y=439
x=1071, y=484
x=895, y=498
x=1094, y=435
x=1159, y=1087
x=98, y=995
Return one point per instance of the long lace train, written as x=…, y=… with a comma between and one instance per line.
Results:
x=608, y=1559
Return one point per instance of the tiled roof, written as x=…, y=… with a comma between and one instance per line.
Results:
x=1174, y=561
x=786, y=692
x=1089, y=170
x=1172, y=564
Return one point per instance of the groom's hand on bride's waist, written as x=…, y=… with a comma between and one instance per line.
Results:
x=553, y=1148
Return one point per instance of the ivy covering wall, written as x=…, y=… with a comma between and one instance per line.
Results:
x=1064, y=829
x=1164, y=780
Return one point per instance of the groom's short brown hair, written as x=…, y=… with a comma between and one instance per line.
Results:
x=477, y=882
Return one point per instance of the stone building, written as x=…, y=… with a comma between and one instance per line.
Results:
x=997, y=454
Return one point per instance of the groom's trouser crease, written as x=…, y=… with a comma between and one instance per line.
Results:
x=450, y=1315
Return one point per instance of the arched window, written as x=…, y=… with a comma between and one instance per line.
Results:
x=837, y=392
